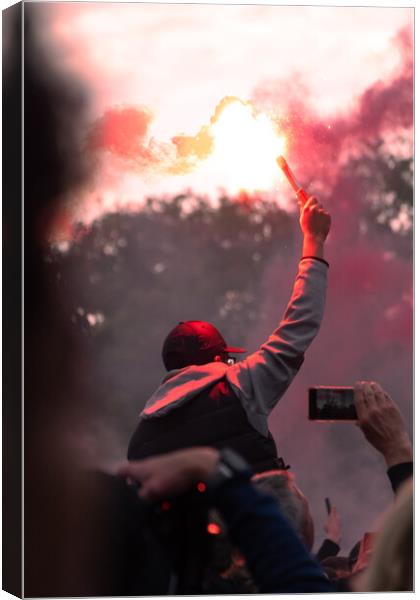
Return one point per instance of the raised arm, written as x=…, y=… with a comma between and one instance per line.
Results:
x=262, y=378
x=383, y=427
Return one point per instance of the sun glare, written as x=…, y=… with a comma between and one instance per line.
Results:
x=245, y=148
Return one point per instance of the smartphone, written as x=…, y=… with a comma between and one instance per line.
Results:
x=328, y=403
x=328, y=505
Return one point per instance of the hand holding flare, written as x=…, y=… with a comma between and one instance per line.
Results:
x=314, y=220
x=301, y=195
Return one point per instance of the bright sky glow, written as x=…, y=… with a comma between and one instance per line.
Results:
x=180, y=60
x=246, y=147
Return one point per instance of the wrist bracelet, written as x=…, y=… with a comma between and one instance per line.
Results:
x=317, y=258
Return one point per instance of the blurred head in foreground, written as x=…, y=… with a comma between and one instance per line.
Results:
x=391, y=565
x=68, y=529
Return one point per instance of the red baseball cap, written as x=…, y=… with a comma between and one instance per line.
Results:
x=194, y=343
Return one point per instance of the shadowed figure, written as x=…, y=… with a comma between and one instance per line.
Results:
x=84, y=532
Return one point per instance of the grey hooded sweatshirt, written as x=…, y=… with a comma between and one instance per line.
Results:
x=261, y=379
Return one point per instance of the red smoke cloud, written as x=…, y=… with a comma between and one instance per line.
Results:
x=123, y=133
x=318, y=144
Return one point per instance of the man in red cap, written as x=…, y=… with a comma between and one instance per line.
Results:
x=209, y=399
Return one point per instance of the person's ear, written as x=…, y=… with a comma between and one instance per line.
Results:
x=217, y=358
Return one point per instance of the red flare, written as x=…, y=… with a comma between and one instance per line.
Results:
x=299, y=191
x=213, y=529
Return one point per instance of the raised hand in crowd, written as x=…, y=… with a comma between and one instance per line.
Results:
x=315, y=223
x=171, y=474
x=382, y=424
x=332, y=526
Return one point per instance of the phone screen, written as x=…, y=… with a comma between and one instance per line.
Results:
x=327, y=403
x=328, y=505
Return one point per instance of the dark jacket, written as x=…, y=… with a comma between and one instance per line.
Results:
x=220, y=405
x=215, y=418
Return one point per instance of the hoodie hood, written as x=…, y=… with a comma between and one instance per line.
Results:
x=180, y=386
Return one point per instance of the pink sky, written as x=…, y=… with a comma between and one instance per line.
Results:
x=179, y=61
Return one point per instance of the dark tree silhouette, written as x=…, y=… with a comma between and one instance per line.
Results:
x=386, y=186
x=133, y=276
